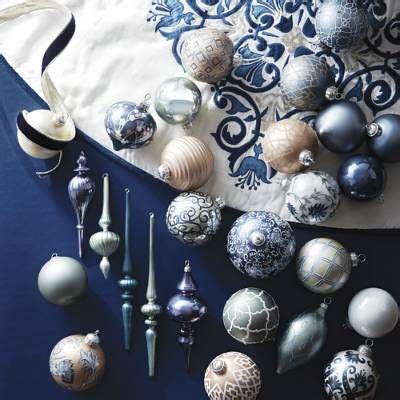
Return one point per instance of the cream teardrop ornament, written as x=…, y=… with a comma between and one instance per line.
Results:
x=44, y=133
x=186, y=163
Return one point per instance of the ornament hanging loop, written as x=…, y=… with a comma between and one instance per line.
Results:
x=306, y=158
x=42, y=174
x=332, y=93
x=328, y=301
x=357, y=259
x=369, y=343
x=373, y=130
x=145, y=104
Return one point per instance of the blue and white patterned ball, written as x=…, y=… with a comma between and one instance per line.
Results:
x=260, y=244
x=129, y=125
x=313, y=197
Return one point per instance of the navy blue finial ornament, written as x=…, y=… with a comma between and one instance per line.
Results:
x=129, y=125
x=127, y=283
x=186, y=308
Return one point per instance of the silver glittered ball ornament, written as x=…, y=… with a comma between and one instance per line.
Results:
x=251, y=316
x=373, y=313
x=325, y=265
x=177, y=101
x=351, y=374
x=77, y=362
x=307, y=82
x=207, y=55
x=194, y=217
x=341, y=24
x=260, y=244
x=232, y=376
x=312, y=197
x=129, y=125
x=62, y=280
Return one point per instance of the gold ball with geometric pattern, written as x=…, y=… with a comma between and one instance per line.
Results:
x=324, y=265
x=207, y=55
x=232, y=376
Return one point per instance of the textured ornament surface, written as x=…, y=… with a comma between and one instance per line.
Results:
x=341, y=24
x=76, y=365
x=351, y=375
x=194, y=217
x=62, y=280
x=302, y=339
x=177, y=101
x=186, y=163
x=386, y=144
x=232, y=376
x=304, y=82
x=362, y=177
x=207, y=55
x=260, y=244
x=129, y=125
x=285, y=140
x=313, y=197
x=323, y=265
x=373, y=313
x=341, y=126
x=251, y=316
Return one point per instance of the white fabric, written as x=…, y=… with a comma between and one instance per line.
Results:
x=115, y=55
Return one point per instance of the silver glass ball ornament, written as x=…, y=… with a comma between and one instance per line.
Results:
x=260, y=244
x=129, y=125
x=194, y=217
x=207, y=55
x=312, y=197
x=341, y=24
x=177, y=101
x=62, y=280
x=251, y=316
x=325, y=265
x=307, y=82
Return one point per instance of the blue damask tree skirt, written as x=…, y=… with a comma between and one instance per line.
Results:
x=37, y=220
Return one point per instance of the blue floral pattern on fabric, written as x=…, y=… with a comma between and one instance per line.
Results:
x=267, y=33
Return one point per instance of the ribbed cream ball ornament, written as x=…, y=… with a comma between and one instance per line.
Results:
x=186, y=163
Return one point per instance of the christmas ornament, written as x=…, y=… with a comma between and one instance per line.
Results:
x=384, y=138
x=105, y=243
x=251, y=316
x=312, y=197
x=232, y=376
x=341, y=24
x=45, y=133
x=324, y=265
x=177, y=101
x=81, y=191
x=194, y=217
x=186, y=308
x=62, y=280
x=351, y=375
x=260, y=244
x=129, y=125
x=186, y=163
x=207, y=55
x=151, y=310
x=127, y=283
x=307, y=82
x=373, y=313
x=362, y=177
x=77, y=362
x=303, y=338
x=290, y=145
x=341, y=126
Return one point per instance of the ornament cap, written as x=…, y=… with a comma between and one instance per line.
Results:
x=187, y=284
x=220, y=202
x=357, y=259
x=332, y=93
x=81, y=161
x=257, y=238
x=92, y=339
x=306, y=158
x=366, y=349
x=374, y=129
x=164, y=172
x=218, y=367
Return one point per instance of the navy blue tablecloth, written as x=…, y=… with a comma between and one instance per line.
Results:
x=37, y=220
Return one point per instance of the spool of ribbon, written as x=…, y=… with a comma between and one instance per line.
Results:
x=44, y=133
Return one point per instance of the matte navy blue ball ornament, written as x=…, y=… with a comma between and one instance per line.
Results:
x=341, y=24
x=341, y=126
x=362, y=177
x=129, y=125
x=384, y=138
x=260, y=244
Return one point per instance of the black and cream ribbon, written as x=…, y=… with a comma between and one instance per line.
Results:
x=52, y=96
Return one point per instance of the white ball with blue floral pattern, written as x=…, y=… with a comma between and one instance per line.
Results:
x=261, y=244
x=312, y=197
